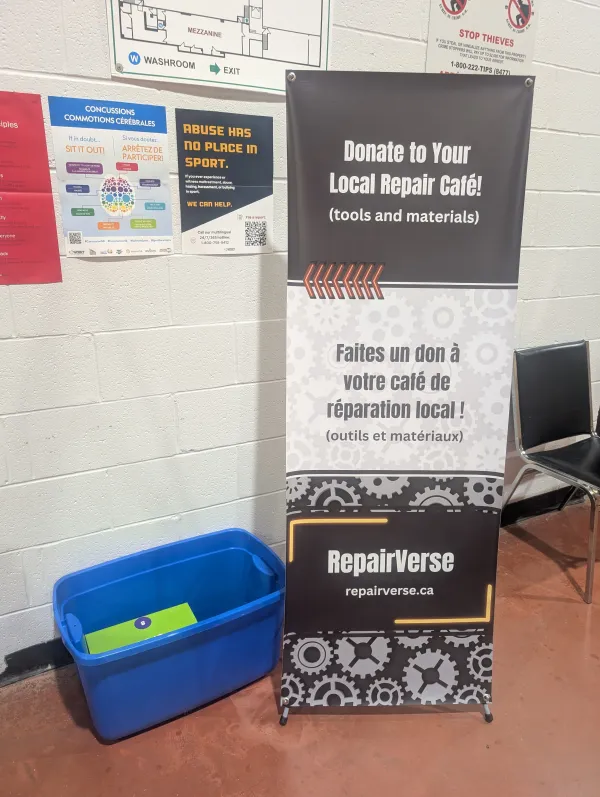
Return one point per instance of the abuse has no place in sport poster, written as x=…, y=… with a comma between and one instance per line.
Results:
x=225, y=182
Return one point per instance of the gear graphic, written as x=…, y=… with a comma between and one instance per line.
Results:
x=292, y=690
x=471, y=694
x=494, y=403
x=491, y=306
x=467, y=424
x=361, y=656
x=480, y=662
x=412, y=639
x=430, y=676
x=487, y=455
x=334, y=494
x=462, y=638
x=328, y=315
x=439, y=458
x=385, y=692
x=305, y=400
x=392, y=326
x=301, y=365
x=484, y=492
x=296, y=487
x=335, y=690
x=306, y=397
x=443, y=316
x=298, y=453
x=384, y=486
x=305, y=330
x=330, y=361
x=487, y=353
x=311, y=655
x=345, y=456
x=288, y=639
x=433, y=496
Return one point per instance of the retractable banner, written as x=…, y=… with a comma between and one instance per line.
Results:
x=405, y=211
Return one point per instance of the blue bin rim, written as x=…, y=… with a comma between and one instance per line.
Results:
x=96, y=659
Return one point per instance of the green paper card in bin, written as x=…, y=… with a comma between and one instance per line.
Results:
x=140, y=628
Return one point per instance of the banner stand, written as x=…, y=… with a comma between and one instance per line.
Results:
x=406, y=196
x=285, y=713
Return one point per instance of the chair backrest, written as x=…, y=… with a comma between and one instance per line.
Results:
x=552, y=392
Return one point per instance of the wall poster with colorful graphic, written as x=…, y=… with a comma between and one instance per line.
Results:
x=405, y=214
x=113, y=173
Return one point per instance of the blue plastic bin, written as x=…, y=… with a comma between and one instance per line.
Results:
x=235, y=586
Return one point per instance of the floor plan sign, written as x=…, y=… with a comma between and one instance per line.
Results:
x=224, y=42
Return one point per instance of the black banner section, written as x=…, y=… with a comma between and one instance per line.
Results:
x=390, y=571
x=225, y=164
x=389, y=177
x=406, y=198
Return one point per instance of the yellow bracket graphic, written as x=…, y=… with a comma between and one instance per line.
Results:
x=439, y=620
x=327, y=521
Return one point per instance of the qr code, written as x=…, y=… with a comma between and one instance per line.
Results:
x=75, y=238
x=256, y=233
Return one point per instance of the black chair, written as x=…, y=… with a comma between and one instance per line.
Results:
x=552, y=401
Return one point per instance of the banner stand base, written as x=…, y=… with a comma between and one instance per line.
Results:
x=286, y=712
x=283, y=719
x=487, y=714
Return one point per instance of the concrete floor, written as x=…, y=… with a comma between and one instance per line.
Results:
x=545, y=739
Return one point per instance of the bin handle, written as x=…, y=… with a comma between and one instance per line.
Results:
x=262, y=566
x=74, y=632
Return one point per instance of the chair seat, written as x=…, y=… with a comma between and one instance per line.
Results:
x=580, y=460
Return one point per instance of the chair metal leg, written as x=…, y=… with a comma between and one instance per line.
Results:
x=591, y=562
x=567, y=498
x=525, y=469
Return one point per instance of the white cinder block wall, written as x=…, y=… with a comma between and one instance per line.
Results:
x=142, y=400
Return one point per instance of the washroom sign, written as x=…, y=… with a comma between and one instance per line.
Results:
x=405, y=215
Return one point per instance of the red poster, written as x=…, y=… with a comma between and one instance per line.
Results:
x=28, y=240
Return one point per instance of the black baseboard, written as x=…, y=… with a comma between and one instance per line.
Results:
x=53, y=654
x=537, y=505
x=35, y=660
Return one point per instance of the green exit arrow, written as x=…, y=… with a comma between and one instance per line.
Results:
x=215, y=68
